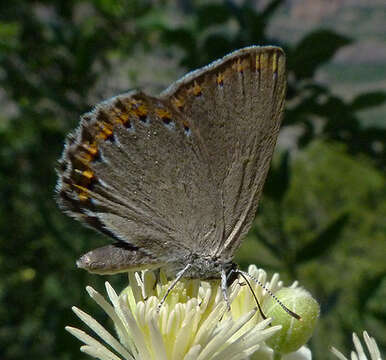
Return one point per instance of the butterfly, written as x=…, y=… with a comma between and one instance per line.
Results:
x=175, y=180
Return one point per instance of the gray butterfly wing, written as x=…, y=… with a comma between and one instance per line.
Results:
x=181, y=173
x=134, y=169
x=236, y=105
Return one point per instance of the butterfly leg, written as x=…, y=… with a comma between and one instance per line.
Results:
x=224, y=288
x=179, y=275
x=157, y=274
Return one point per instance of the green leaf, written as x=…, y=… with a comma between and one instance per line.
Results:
x=215, y=45
x=275, y=250
x=368, y=288
x=330, y=301
x=212, y=14
x=184, y=39
x=324, y=241
x=314, y=50
x=371, y=99
x=270, y=9
x=180, y=37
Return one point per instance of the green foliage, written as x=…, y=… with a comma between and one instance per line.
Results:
x=208, y=36
x=314, y=50
x=364, y=101
x=328, y=231
x=321, y=216
x=323, y=241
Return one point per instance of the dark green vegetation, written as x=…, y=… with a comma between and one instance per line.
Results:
x=321, y=220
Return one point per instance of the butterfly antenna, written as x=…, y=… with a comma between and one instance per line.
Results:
x=254, y=295
x=257, y=281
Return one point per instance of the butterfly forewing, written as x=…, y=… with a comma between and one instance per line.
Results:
x=139, y=174
x=236, y=106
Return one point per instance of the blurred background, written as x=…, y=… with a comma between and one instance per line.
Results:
x=322, y=217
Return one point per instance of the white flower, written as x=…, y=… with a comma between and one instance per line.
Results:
x=193, y=323
x=359, y=353
x=266, y=353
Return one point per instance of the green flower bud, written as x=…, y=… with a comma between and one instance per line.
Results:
x=294, y=333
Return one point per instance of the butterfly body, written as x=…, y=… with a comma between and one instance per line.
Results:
x=175, y=180
x=111, y=259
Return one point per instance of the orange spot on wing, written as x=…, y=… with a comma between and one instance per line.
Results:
x=220, y=79
x=163, y=114
x=274, y=62
x=263, y=60
x=91, y=148
x=197, y=91
x=106, y=128
x=83, y=193
x=83, y=197
x=138, y=109
x=177, y=102
x=239, y=66
x=142, y=110
x=186, y=125
x=84, y=158
x=124, y=118
x=101, y=136
x=120, y=116
x=88, y=174
x=258, y=65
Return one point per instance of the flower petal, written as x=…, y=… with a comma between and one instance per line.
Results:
x=337, y=353
x=132, y=325
x=108, y=309
x=358, y=347
x=371, y=344
x=99, y=353
x=157, y=341
x=101, y=332
x=93, y=345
